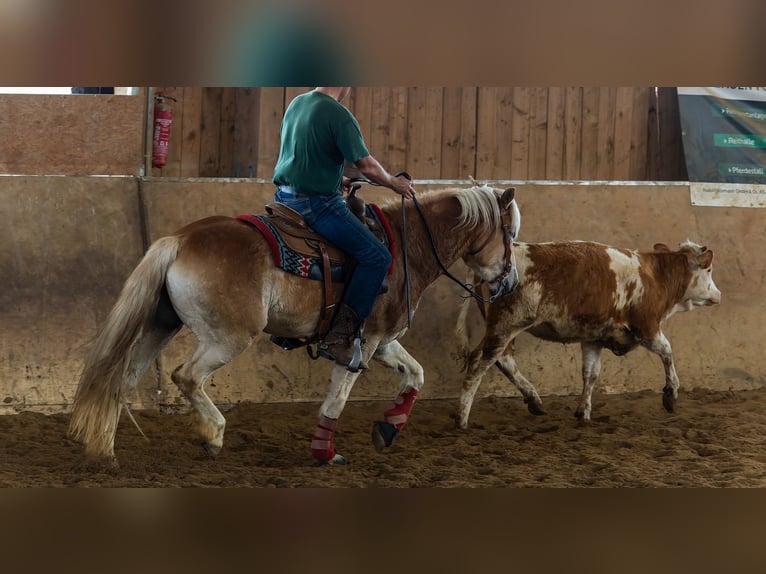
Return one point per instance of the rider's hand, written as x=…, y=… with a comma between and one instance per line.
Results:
x=403, y=187
x=345, y=184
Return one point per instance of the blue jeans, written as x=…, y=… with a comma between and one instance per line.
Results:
x=329, y=216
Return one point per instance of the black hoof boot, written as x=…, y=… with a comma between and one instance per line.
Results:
x=383, y=435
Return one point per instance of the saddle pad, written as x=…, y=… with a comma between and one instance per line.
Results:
x=304, y=265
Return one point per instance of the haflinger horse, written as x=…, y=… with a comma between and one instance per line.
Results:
x=217, y=277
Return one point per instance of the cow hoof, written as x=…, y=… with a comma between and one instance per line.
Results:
x=337, y=460
x=383, y=435
x=668, y=399
x=535, y=407
x=579, y=415
x=211, y=450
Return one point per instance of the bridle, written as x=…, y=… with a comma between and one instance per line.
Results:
x=509, y=267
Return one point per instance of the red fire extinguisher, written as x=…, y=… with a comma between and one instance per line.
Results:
x=163, y=119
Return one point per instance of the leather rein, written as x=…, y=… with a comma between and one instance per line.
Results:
x=469, y=288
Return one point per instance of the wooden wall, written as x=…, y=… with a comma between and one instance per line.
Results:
x=519, y=133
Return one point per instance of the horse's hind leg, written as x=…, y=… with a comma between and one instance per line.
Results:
x=394, y=356
x=190, y=378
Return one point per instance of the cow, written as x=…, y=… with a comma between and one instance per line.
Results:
x=600, y=296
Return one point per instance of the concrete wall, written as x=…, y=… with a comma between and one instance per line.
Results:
x=68, y=243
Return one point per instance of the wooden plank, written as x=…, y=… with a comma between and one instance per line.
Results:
x=72, y=134
x=520, y=130
x=606, y=118
x=227, y=132
x=573, y=136
x=377, y=137
x=623, y=132
x=190, y=132
x=486, y=132
x=246, y=125
x=639, y=134
x=554, y=142
x=538, y=132
x=270, y=111
x=495, y=133
x=452, y=124
x=590, y=154
x=210, y=132
x=432, y=132
x=467, y=146
x=397, y=141
x=360, y=105
x=416, y=103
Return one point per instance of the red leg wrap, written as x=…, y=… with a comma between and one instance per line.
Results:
x=399, y=412
x=321, y=444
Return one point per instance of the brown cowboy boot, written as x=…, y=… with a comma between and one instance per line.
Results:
x=342, y=343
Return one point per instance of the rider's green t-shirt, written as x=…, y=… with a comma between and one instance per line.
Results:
x=318, y=134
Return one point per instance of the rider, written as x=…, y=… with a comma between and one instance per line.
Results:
x=318, y=136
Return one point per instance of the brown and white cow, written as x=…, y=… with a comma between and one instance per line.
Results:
x=592, y=294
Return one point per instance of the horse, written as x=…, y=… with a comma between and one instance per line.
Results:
x=217, y=277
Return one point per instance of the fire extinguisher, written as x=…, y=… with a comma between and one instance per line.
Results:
x=163, y=119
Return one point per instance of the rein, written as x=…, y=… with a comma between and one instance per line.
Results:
x=469, y=288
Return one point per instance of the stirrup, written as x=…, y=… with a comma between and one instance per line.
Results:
x=354, y=365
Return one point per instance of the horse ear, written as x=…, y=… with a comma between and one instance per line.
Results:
x=661, y=247
x=507, y=198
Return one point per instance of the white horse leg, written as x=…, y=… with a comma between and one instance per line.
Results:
x=322, y=448
x=591, y=368
x=394, y=356
x=507, y=366
x=190, y=377
x=661, y=346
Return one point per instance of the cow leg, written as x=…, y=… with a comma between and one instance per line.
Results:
x=507, y=366
x=481, y=359
x=661, y=346
x=591, y=368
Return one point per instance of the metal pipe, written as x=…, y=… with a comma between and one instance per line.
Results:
x=147, y=167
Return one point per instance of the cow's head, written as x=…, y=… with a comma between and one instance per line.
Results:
x=701, y=290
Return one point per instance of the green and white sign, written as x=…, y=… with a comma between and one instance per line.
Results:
x=724, y=138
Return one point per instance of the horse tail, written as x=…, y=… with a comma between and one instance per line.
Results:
x=98, y=400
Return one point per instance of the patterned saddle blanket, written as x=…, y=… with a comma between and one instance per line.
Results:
x=297, y=249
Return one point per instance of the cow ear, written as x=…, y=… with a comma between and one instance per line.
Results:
x=661, y=247
x=507, y=198
x=705, y=259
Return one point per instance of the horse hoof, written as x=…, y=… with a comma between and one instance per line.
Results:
x=337, y=460
x=212, y=450
x=383, y=435
x=579, y=415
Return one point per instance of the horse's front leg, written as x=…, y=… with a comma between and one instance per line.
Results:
x=394, y=356
x=322, y=443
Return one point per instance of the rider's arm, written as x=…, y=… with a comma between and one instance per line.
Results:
x=372, y=170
